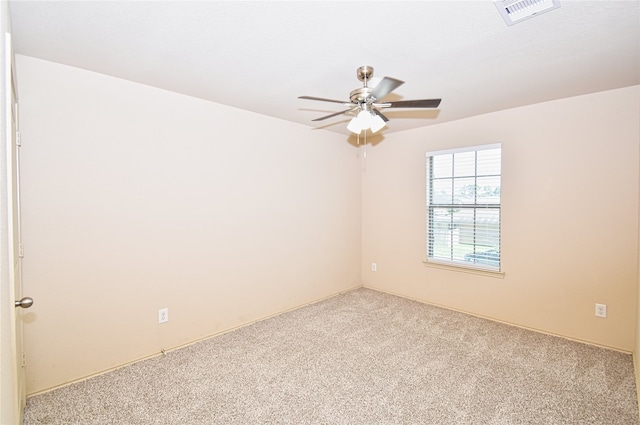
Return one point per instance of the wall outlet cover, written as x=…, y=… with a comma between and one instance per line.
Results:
x=163, y=315
x=601, y=310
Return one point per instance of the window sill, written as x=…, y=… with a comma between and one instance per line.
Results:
x=463, y=269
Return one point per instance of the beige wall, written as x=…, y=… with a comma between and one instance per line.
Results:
x=137, y=199
x=569, y=217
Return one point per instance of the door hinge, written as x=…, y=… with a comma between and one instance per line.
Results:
x=24, y=360
x=18, y=139
x=20, y=250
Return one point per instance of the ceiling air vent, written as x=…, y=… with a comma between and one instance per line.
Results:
x=514, y=11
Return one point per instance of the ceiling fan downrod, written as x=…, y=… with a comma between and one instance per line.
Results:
x=361, y=95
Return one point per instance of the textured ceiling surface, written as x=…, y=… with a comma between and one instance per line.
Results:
x=261, y=55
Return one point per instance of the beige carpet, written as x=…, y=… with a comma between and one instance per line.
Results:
x=363, y=357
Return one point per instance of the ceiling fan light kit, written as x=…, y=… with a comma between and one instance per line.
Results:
x=368, y=100
x=365, y=120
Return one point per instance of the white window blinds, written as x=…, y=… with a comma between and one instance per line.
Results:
x=463, y=206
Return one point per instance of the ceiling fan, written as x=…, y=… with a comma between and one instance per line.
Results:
x=368, y=100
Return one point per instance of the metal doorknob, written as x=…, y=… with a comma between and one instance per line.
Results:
x=26, y=302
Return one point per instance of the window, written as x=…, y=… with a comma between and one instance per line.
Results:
x=463, y=207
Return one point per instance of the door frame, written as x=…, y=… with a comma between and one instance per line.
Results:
x=12, y=387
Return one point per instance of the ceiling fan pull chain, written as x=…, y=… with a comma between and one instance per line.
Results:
x=365, y=143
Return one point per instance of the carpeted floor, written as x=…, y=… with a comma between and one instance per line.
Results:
x=362, y=357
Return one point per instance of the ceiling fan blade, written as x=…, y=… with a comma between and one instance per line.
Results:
x=385, y=86
x=335, y=114
x=324, y=100
x=380, y=114
x=423, y=103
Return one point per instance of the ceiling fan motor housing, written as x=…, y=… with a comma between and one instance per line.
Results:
x=361, y=96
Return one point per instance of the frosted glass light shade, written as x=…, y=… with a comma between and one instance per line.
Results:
x=376, y=123
x=364, y=119
x=354, y=126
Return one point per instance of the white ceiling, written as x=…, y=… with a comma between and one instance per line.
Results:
x=261, y=55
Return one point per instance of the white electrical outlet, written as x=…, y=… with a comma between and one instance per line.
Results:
x=374, y=267
x=163, y=315
x=601, y=310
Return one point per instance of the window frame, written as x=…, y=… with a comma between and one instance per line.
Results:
x=457, y=264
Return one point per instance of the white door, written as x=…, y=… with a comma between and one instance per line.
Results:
x=12, y=307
